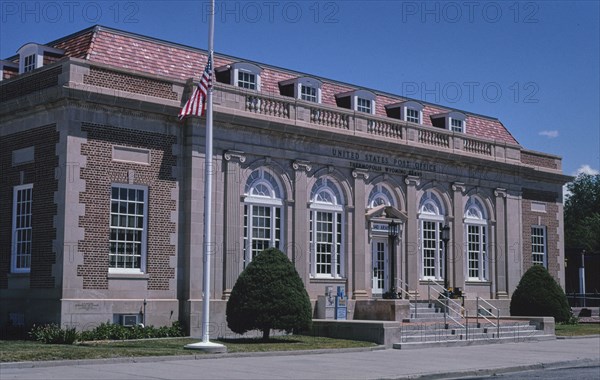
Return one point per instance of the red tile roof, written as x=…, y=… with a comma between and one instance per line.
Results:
x=161, y=58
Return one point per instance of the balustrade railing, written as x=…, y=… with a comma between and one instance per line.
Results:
x=385, y=129
x=268, y=106
x=478, y=147
x=434, y=138
x=329, y=118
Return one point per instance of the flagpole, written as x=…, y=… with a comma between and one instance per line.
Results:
x=206, y=345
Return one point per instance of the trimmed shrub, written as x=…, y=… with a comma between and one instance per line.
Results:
x=269, y=294
x=539, y=295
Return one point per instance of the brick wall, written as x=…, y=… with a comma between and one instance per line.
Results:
x=31, y=83
x=130, y=83
x=99, y=174
x=549, y=219
x=538, y=160
x=41, y=173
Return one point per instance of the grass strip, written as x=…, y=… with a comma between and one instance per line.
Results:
x=19, y=350
x=579, y=329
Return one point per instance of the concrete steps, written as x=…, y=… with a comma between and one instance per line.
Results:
x=428, y=312
x=423, y=335
x=427, y=327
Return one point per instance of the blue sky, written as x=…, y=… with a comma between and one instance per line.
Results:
x=535, y=65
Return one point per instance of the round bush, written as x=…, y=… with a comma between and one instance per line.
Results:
x=269, y=294
x=539, y=295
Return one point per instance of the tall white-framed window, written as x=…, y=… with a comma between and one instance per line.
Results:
x=380, y=195
x=263, y=203
x=22, y=229
x=538, y=245
x=128, y=228
x=326, y=223
x=475, y=220
x=431, y=220
x=363, y=105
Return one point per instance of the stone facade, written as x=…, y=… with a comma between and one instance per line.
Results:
x=321, y=182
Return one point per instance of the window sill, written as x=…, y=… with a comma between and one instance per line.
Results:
x=426, y=281
x=323, y=280
x=18, y=274
x=478, y=282
x=128, y=276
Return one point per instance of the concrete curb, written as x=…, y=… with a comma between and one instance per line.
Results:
x=146, y=359
x=501, y=370
x=578, y=337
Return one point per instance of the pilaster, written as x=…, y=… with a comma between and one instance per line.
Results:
x=232, y=244
x=411, y=251
x=360, y=269
x=501, y=245
x=301, y=248
x=456, y=261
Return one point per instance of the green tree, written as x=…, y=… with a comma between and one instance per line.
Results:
x=269, y=294
x=582, y=215
x=538, y=294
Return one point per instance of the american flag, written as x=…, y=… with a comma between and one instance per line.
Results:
x=196, y=104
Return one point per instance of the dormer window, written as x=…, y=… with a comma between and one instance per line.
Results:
x=413, y=116
x=29, y=63
x=410, y=111
x=308, y=93
x=8, y=69
x=453, y=121
x=246, y=80
x=304, y=88
x=363, y=105
x=33, y=56
x=358, y=100
x=240, y=74
x=456, y=125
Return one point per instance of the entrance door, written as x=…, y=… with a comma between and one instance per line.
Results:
x=379, y=248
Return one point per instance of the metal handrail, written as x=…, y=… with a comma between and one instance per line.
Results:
x=497, y=324
x=403, y=291
x=489, y=312
x=460, y=310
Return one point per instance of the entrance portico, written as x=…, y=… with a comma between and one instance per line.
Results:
x=386, y=253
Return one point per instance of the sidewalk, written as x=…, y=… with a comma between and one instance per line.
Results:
x=433, y=363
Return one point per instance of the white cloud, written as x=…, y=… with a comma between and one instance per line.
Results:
x=586, y=169
x=549, y=134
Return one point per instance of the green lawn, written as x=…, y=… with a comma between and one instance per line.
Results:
x=19, y=350
x=578, y=329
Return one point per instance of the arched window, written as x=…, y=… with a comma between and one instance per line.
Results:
x=431, y=219
x=476, y=240
x=380, y=195
x=262, y=214
x=326, y=229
